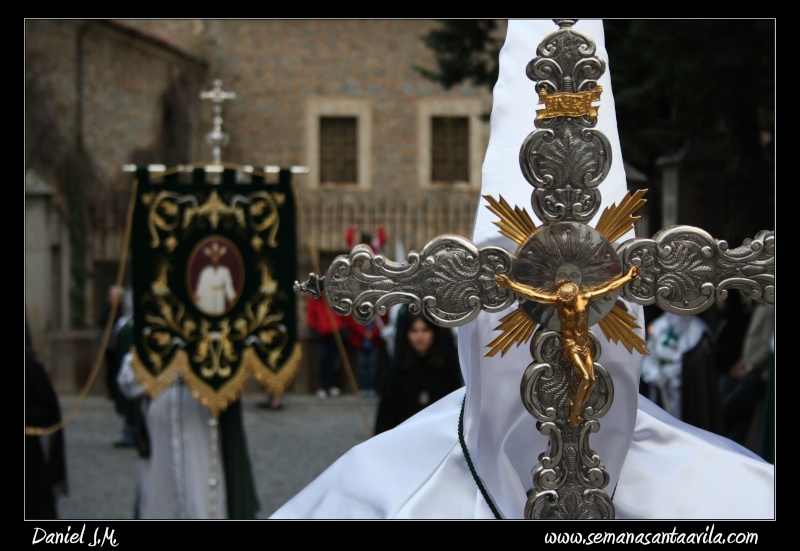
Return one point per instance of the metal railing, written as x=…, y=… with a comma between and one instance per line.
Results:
x=410, y=218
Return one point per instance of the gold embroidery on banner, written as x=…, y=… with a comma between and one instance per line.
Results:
x=263, y=214
x=257, y=211
x=273, y=381
x=181, y=344
x=212, y=209
x=155, y=385
x=216, y=400
x=215, y=351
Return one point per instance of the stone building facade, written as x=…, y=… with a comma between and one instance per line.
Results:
x=102, y=94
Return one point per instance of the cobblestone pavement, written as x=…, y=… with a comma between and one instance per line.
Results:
x=288, y=449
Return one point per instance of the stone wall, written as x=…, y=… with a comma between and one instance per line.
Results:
x=127, y=91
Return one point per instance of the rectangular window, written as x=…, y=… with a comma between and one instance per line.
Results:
x=450, y=149
x=338, y=143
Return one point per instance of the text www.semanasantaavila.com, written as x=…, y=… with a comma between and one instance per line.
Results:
x=646, y=538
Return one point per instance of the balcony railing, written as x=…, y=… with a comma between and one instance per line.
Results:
x=410, y=218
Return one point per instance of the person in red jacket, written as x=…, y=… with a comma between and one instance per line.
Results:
x=324, y=324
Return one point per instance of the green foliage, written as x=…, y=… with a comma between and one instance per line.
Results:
x=466, y=51
x=75, y=178
x=678, y=80
x=55, y=149
x=674, y=80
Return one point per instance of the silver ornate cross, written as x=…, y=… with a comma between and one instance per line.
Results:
x=217, y=139
x=682, y=269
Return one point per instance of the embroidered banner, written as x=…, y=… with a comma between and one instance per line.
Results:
x=214, y=254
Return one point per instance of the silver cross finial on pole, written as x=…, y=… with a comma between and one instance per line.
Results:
x=217, y=139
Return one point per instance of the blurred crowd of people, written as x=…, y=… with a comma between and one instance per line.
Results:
x=716, y=370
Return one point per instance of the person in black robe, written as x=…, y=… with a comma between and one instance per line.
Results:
x=739, y=396
x=45, y=460
x=425, y=368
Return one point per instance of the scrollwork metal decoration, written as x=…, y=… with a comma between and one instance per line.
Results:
x=450, y=280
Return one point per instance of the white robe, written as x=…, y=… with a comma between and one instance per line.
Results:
x=184, y=477
x=215, y=289
x=659, y=467
x=669, y=338
x=418, y=471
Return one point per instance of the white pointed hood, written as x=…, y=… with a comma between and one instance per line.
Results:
x=495, y=417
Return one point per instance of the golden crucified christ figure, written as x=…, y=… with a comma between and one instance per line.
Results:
x=572, y=305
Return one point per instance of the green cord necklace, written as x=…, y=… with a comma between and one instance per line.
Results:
x=472, y=467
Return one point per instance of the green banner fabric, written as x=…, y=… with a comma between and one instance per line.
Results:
x=214, y=256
